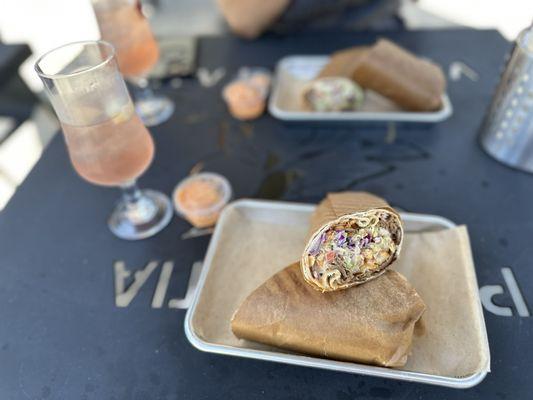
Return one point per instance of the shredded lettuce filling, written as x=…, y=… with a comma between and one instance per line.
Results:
x=352, y=249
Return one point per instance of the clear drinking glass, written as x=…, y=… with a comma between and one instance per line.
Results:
x=107, y=142
x=122, y=24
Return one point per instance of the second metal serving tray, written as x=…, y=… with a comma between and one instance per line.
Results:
x=294, y=72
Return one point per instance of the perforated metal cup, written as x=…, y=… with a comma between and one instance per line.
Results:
x=507, y=132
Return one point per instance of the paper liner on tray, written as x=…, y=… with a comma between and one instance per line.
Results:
x=371, y=323
x=334, y=208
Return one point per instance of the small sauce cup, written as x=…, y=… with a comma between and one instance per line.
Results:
x=200, y=198
x=246, y=95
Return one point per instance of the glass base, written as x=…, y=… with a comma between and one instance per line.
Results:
x=145, y=217
x=154, y=110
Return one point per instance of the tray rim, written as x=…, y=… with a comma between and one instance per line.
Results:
x=315, y=362
x=397, y=116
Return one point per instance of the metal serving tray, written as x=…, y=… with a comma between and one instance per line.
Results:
x=294, y=72
x=245, y=228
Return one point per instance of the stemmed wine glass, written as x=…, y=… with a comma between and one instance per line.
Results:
x=122, y=24
x=107, y=142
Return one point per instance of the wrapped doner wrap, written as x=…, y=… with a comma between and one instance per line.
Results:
x=411, y=82
x=371, y=323
x=354, y=236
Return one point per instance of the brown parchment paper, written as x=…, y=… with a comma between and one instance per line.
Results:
x=327, y=214
x=440, y=267
x=253, y=247
x=413, y=83
x=343, y=63
x=371, y=323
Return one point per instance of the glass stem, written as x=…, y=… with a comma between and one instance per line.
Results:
x=131, y=193
x=138, y=208
x=144, y=90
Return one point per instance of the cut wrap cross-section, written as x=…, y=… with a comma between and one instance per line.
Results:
x=354, y=237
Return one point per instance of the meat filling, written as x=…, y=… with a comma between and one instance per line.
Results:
x=354, y=249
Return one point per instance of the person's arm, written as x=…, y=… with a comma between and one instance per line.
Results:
x=250, y=18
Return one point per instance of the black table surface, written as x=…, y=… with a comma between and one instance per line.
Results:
x=61, y=336
x=16, y=100
x=11, y=56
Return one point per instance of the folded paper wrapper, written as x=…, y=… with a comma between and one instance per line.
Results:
x=343, y=62
x=371, y=323
x=411, y=82
x=328, y=212
x=437, y=264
